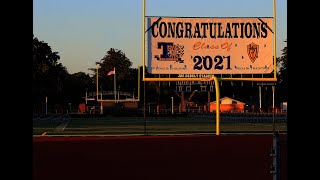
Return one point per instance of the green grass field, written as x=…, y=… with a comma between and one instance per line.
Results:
x=155, y=125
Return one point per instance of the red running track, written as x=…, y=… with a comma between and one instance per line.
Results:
x=196, y=157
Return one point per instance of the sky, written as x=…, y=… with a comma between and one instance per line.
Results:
x=82, y=31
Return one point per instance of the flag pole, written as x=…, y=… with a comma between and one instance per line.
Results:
x=114, y=81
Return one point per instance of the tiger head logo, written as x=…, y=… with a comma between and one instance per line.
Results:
x=253, y=50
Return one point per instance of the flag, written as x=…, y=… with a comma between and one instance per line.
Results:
x=111, y=72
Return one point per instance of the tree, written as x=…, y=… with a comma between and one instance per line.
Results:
x=283, y=74
x=75, y=87
x=47, y=74
x=113, y=59
x=117, y=59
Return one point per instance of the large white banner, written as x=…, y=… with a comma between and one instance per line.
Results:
x=184, y=45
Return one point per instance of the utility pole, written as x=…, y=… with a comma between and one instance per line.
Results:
x=46, y=105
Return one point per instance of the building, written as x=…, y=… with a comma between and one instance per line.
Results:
x=228, y=105
x=283, y=106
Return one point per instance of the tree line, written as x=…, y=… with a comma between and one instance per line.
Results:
x=51, y=79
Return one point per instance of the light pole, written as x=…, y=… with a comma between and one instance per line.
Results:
x=86, y=100
x=171, y=104
x=260, y=98
x=86, y=96
x=46, y=105
x=101, y=106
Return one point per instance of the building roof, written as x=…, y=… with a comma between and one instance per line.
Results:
x=238, y=102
